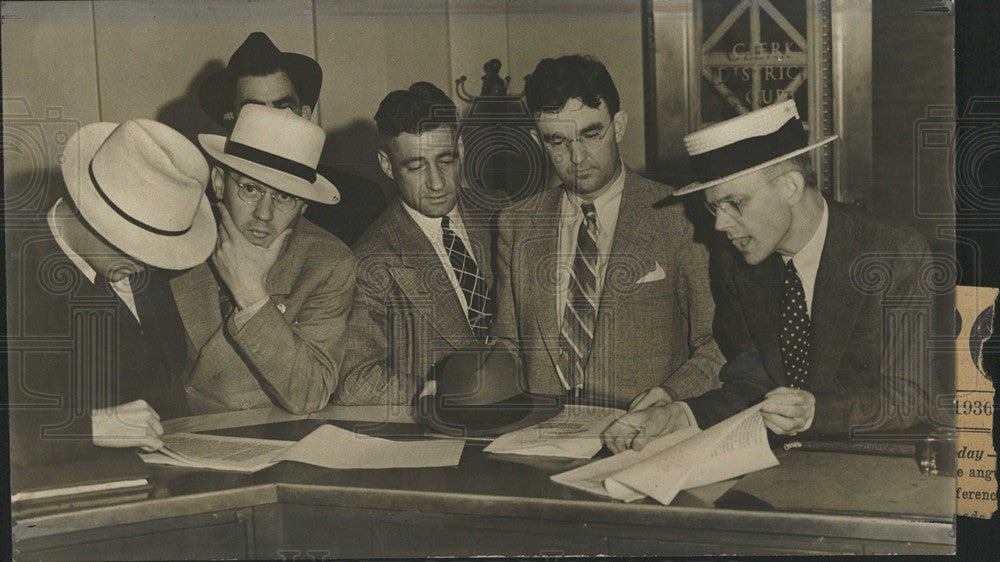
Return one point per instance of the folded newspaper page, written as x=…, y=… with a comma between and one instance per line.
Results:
x=574, y=433
x=684, y=459
x=328, y=446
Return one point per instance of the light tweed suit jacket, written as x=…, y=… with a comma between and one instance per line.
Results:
x=651, y=330
x=406, y=315
x=289, y=352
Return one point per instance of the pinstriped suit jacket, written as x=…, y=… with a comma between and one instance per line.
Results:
x=406, y=315
x=649, y=331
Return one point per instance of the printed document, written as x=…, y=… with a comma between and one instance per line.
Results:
x=574, y=433
x=680, y=460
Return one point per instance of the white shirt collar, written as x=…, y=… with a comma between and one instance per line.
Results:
x=807, y=259
x=431, y=226
x=74, y=257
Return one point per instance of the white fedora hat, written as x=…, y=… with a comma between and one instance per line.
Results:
x=141, y=185
x=747, y=143
x=275, y=147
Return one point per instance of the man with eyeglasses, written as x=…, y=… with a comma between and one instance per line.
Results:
x=265, y=316
x=800, y=313
x=605, y=297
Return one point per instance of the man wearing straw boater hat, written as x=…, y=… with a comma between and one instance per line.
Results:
x=258, y=73
x=265, y=316
x=90, y=287
x=800, y=322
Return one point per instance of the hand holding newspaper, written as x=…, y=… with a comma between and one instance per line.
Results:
x=680, y=460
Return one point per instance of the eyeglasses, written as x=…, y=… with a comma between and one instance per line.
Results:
x=728, y=207
x=254, y=193
x=558, y=143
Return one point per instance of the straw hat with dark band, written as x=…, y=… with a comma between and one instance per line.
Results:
x=745, y=144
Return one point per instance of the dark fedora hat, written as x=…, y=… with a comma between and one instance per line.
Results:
x=481, y=392
x=255, y=55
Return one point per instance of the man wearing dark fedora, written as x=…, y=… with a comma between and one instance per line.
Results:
x=605, y=298
x=265, y=316
x=424, y=275
x=89, y=287
x=802, y=326
x=258, y=73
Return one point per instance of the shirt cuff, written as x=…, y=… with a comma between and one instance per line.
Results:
x=241, y=317
x=690, y=415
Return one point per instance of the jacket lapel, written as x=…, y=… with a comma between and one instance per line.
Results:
x=197, y=296
x=629, y=247
x=540, y=247
x=420, y=271
x=835, y=301
x=760, y=289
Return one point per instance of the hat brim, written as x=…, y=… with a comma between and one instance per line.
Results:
x=491, y=420
x=321, y=191
x=182, y=251
x=699, y=186
x=215, y=94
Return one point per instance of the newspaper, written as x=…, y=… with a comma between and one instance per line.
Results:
x=976, y=460
x=680, y=460
x=328, y=446
x=574, y=433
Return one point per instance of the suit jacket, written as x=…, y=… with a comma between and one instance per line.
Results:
x=868, y=279
x=406, y=315
x=289, y=352
x=652, y=328
x=74, y=346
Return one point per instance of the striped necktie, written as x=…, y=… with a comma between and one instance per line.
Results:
x=580, y=313
x=795, y=330
x=473, y=285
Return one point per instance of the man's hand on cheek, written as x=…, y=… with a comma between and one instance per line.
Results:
x=242, y=265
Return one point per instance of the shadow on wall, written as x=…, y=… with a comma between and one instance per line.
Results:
x=184, y=113
x=353, y=149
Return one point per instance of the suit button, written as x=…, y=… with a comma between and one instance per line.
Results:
x=188, y=388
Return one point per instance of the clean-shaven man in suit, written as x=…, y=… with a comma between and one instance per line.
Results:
x=424, y=277
x=89, y=283
x=804, y=328
x=606, y=297
x=265, y=316
x=258, y=73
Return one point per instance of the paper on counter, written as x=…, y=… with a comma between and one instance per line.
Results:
x=574, y=433
x=684, y=459
x=332, y=447
x=240, y=454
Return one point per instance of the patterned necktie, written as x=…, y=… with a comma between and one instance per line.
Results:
x=580, y=312
x=795, y=329
x=473, y=285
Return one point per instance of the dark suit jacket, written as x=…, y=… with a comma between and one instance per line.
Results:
x=75, y=347
x=361, y=202
x=406, y=315
x=289, y=352
x=654, y=321
x=867, y=313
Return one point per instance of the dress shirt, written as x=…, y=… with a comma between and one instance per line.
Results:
x=807, y=259
x=122, y=287
x=431, y=227
x=607, y=205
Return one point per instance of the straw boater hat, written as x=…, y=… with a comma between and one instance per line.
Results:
x=480, y=392
x=275, y=147
x=217, y=92
x=141, y=186
x=745, y=144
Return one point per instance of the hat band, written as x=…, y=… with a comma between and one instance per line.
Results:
x=270, y=160
x=750, y=152
x=126, y=216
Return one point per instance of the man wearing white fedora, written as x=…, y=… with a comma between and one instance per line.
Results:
x=799, y=319
x=266, y=315
x=91, y=289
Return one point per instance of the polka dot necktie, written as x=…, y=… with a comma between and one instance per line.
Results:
x=580, y=313
x=795, y=329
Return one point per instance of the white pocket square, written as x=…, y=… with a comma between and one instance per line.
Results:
x=654, y=275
